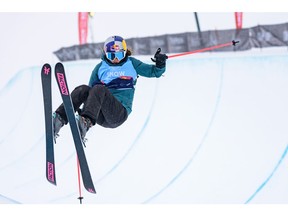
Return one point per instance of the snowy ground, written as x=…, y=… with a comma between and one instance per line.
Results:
x=213, y=130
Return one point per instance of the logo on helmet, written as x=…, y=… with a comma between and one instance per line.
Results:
x=115, y=48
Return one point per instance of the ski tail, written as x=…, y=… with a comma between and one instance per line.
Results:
x=69, y=109
x=47, y=98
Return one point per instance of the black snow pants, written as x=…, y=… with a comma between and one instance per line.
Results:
x=99, y=105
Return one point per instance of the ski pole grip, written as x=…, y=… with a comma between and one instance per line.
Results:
x=234, y=42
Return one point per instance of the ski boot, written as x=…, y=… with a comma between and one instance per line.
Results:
x=58, y=123
x=84, y=124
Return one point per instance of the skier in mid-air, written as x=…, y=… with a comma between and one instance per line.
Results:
x=108, y=99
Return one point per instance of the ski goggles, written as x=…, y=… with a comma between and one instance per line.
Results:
x=112, y=55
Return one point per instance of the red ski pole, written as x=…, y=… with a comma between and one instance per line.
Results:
x=204, y=49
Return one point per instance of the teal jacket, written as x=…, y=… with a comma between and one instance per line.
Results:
x=126, y=96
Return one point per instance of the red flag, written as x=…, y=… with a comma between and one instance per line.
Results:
x=83, y=27
x=238, y=19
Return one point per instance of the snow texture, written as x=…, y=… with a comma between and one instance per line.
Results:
x=213, y=130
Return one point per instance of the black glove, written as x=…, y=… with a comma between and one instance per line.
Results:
x=160, y=59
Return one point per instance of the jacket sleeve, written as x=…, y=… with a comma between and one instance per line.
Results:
x=94, y=75
x=147, y=70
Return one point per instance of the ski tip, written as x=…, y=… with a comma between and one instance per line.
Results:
x=50, y=172
x=46, y=65
x=91, y=190
x=59, y=64
x=46, y=69
x=59, y=68
x=51, y=181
